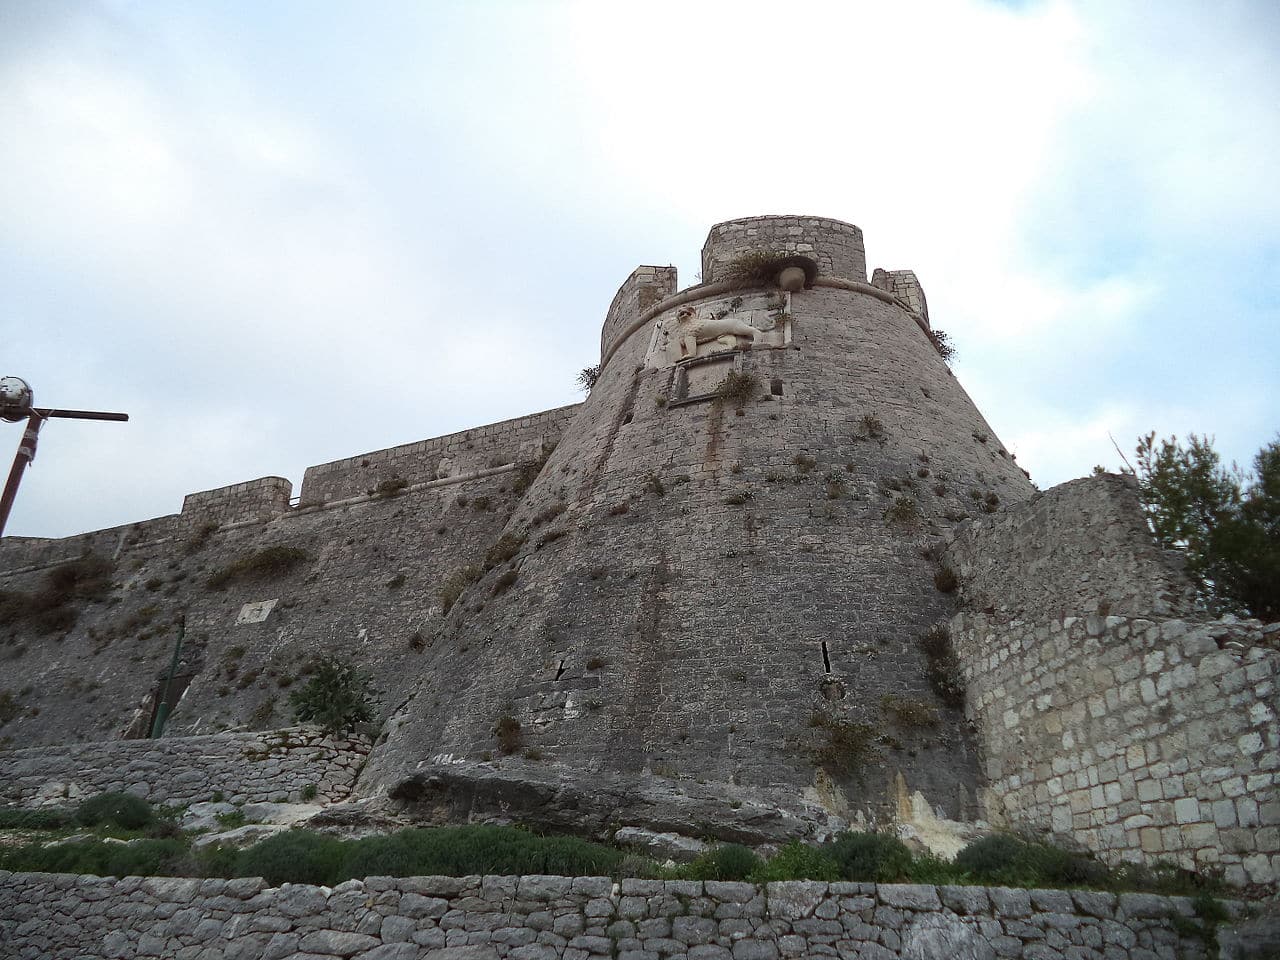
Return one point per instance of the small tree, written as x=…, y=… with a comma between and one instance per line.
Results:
x=1225, y=521
x=587, y=377
x=337, y=698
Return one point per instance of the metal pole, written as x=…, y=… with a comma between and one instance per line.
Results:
x=26, y=453
x=162, y=713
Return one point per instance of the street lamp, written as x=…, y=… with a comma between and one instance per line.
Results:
x=17, y=403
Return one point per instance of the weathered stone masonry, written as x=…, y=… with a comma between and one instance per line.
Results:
x=271, y=766
x=48, y=916
x=1103, y=718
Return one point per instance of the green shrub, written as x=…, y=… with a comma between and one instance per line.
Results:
x=294, y=856
x=1007, y=860
x=265, y=564
x=727, y=861
x=798, y=861
x=124, y=810
x=15, y=818
x=138, y=858
x=337, y=697
x=870, y=857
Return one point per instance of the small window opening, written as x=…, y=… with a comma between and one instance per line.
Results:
x=560, y=670
x=775, y=386
x=826, y=657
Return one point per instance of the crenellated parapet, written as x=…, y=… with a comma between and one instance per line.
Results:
x=645, y=287
x=905, y=286
x=259, y=499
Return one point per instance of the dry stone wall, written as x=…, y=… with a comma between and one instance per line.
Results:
x=275, y=766
x=47, y=916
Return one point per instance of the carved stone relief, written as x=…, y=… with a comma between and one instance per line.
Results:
x=721, y=326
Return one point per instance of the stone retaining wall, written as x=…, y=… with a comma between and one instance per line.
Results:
x=271, y=766
x=1142, y=740
x=583, y=918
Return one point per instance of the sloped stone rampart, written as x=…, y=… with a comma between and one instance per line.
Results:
x=1079, y=548
x=576, y=918
x=1142, y=740
x=274, y=766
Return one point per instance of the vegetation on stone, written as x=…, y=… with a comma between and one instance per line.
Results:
x=872, y=857
x=337, y=697
x=725, y=861
x=265, y=564
x=123, y=810
x=48, y=609
x=1225, y=521
x=738, y=388
x=943, y=666
x=587, y=377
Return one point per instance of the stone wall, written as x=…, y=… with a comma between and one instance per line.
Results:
x=584, y=918
x=272, y=766
x=645, y=287
x=1079, y=548
x=252, y=500
x=1141, y=740
x=466, y=452
x=904, y=285
x=836, y=247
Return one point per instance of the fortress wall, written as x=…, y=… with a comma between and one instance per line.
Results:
x=19, y=554
x=904, y=285
x=1106, y=715
x=836, y=247
x=274, y=766
x=1141, y=740
x=1082, y=547
x=366, y=592
x=252, y=500
x=576, y=918
x=645, y=287
x=495, y=444
x=681, y=574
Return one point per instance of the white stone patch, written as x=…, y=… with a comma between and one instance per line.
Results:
x=257, y=611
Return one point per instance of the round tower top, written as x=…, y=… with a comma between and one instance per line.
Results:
x=835, y=247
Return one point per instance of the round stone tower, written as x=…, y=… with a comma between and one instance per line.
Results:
x=722, y=584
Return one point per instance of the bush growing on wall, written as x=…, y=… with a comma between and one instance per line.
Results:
x=337, y=698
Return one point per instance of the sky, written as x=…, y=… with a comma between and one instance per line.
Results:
x=281, y=234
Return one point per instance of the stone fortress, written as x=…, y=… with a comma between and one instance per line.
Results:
x=775, y=577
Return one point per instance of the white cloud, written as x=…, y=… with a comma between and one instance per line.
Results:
x=230, y=224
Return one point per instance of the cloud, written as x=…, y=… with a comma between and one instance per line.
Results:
x=288, y=237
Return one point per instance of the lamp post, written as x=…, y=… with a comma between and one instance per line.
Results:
x=17, y=403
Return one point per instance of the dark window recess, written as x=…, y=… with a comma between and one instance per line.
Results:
x=826, y=658
x=775, y=386
x=560, y=670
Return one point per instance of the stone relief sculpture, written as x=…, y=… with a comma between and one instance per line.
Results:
x=691, y=330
